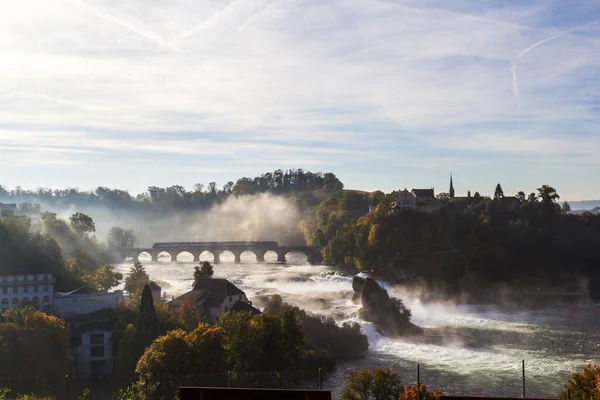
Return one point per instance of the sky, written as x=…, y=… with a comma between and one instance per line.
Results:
x=386, y=94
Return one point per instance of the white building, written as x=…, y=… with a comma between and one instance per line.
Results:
x=405, y=201
x=69, y=304
x=34, y=289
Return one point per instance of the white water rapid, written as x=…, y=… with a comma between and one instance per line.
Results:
x=465, y=349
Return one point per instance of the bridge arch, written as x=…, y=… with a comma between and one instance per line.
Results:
x=208, y=255
x=270, y=256
x=226, y=256
x=144, y=256
x=249, y=256
x=165, y=256
x=298, y=256
x=186, y=256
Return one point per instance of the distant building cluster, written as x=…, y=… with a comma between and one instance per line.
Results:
x=91, y=317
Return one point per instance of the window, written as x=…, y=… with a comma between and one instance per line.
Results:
x=4, y=290
x=35, y=277
x=97, y=351
x=45, y=288
x=97, y=367
x=226, y=309
x=25, y=278
x=46, y=309
x=97, y=338
x=36, y=300
x=230, y=300
x=36, y=289
x=15, y=302
x=46, y=277
x=46, y=299
x=15, y=290
x=4, y=302
x=26, y=289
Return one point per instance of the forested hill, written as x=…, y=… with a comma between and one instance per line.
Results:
x=176, y=197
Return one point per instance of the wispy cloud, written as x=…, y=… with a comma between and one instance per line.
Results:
x=346, y=85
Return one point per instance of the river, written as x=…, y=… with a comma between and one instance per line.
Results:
x=467, y=350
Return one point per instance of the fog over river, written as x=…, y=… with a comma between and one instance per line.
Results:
x=465, y=349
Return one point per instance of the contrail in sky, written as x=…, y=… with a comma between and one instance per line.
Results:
x=533, y=46
x=592, y=77
x=149, y=35
x=207, y=23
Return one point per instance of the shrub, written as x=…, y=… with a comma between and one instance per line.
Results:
x=584, y=384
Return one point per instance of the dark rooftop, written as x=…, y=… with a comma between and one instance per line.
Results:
x=218, y=289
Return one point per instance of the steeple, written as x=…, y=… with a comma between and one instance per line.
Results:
x=451, y=192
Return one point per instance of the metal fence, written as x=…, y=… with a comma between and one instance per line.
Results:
x=509, y=379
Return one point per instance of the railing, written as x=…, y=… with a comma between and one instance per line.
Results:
x=519, y=379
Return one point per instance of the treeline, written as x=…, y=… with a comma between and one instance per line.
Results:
x=176, y=197
x=68, y=250
x=469, y=245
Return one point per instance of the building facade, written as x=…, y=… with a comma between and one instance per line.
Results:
x=35, y=290
x=70, y=304
x=405, y=201
x=214, y=297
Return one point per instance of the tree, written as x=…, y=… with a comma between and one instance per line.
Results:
x=566, y=207
x=148, y=328
x=584, y=384
x=205, y=270
x=548, y=196
x=469, y=194
x=376, y=384
x=137, y=279
x=443, y=196
x=82, y=223
x=189, y=315
x=476, y=196
x=107, y=278
x=120, y=239
x=417, y=392
x=498, y=193
x=521, y=197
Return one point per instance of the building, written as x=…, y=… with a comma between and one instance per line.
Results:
x=214, y=297
x=70, y=304
x=34, y=289
x=451, y=191
x=9, y=207
x=156, y=292
x=424, y=195
x=405, y=201
x=91, y=344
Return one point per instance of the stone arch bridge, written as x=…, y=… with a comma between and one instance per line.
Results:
x=313, y=254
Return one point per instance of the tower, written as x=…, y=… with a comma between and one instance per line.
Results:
x=451, y=191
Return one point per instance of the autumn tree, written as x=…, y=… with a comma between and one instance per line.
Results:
x=137, y=279
x=189, y=315
x=82, y=223
x=376, y=384
x=421, y=392
x=584, y=384
x=106, y=278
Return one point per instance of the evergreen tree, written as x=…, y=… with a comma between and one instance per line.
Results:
x=148, y=328
x=137, y=279
x=498, y=193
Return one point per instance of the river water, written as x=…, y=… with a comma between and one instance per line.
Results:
x=467, y=350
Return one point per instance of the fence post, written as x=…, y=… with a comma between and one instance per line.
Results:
x=523, y=369
x=569, y=393
x=320, y=379
x=419, y=381
x=228, y=378
x=66, y=387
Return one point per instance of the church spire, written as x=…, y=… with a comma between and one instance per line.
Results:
x=451, y=192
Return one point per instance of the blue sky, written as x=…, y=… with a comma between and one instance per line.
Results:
x=386, y=94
